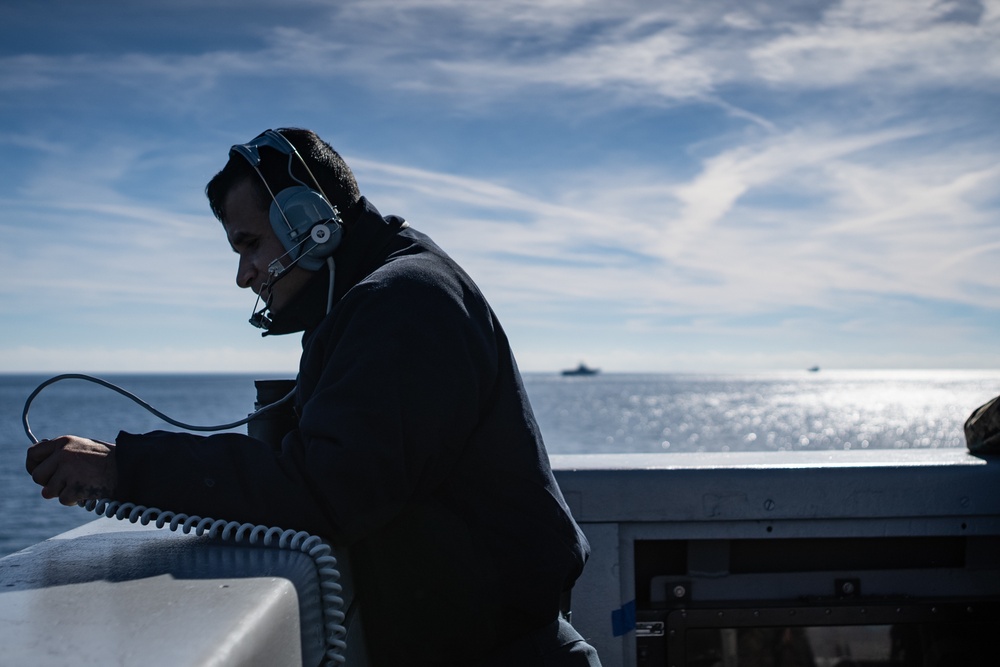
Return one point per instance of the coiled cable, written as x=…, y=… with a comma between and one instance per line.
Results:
x=331, y=602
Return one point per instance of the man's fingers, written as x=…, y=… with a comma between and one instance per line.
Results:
x=73, y=469
x=53, y=488
x=68, y=497
x=40, y=452
x=42, y=472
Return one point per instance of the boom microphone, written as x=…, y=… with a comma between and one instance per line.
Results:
x=275, y=272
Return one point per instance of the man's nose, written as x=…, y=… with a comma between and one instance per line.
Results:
x=245, y=273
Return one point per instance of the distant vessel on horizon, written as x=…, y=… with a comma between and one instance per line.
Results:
x=814, y=369
x=582, y=369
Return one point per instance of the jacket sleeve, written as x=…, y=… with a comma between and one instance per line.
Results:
x=227, y=476
x=391, y=388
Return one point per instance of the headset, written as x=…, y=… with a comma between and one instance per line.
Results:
x=308, y=226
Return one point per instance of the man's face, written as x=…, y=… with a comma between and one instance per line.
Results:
x=251, y=237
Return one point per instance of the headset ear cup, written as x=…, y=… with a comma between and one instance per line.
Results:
x=304, y=209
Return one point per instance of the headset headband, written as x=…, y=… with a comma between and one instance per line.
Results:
x=268, y=138
x=275, y=140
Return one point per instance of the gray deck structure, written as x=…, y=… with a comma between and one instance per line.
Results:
x=819, y=538
x=682, y=544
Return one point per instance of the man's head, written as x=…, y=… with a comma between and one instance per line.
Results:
x=240, y=198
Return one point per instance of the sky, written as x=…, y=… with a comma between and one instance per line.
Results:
x=644, y=186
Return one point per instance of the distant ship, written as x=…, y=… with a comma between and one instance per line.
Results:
x=582, y=369
x=814, y=369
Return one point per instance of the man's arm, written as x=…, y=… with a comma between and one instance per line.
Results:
x=73, y=469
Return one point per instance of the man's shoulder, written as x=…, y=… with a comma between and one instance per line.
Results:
x=419, y=264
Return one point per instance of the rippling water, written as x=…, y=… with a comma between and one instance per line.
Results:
x=606, y=413
x=762, y=412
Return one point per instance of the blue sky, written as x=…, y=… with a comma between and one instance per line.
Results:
x=646, y=186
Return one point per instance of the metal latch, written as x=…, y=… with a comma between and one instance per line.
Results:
x=649, y=629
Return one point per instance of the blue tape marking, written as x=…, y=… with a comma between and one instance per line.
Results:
x=623, y=620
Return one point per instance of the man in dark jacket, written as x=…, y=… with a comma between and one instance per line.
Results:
x=416, y=447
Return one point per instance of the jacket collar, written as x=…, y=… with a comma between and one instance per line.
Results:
x=366, y=234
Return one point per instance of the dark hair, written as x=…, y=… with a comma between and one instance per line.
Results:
x=336, y=179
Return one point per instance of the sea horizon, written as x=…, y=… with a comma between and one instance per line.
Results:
x=613, y=412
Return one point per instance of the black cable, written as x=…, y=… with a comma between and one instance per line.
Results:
x=142, y=403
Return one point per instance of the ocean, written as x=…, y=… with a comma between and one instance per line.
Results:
x=605, y=413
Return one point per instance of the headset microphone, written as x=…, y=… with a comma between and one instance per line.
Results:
x=275, y=272
x=262, y=318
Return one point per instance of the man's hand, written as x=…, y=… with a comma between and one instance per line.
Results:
x=73, y=469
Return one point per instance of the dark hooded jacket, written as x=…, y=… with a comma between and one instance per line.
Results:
x=416, y=449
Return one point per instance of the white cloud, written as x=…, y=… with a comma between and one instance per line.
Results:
x=644, y=53
x=845, y=167
x=628, y=53
x=895, y=44
x=889, y=223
